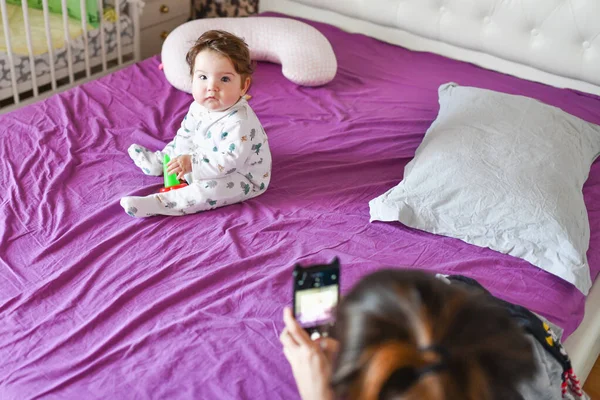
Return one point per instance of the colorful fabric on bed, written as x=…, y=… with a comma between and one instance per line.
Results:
x=95, y=304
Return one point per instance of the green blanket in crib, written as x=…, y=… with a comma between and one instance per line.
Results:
x=38, y=31
x=73, y=8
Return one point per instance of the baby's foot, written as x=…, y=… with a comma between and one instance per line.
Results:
x=148, y=161
x=141, y=207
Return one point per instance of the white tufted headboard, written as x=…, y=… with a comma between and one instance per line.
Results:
x=556, y=42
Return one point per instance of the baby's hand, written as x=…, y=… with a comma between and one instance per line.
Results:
x=180, y=165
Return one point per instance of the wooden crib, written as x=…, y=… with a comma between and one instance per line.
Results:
x=64, y=43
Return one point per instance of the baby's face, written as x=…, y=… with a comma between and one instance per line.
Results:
x=215, y=84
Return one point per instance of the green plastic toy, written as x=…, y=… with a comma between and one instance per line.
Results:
x=171, y=181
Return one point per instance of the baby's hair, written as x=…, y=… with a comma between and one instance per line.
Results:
x=408, y=335
x=226, y=44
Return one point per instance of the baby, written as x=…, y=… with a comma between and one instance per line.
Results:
x=221, y=149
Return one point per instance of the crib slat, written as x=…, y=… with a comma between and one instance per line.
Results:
x=134, y=12
x=50, y=44
x=86, y=49
x=118, y=26
x=30, y=49
x=102, y=36
x=67, y=38
x=11, y=62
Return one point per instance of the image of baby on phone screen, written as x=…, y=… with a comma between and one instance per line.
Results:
x=315, y=306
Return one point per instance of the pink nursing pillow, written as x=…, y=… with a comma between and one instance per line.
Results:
x=305, y=55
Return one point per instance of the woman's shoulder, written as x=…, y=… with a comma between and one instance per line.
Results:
x=547, y=381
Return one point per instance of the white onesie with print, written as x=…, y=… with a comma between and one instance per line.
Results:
x=231, y=162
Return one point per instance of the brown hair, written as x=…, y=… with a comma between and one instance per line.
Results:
x=226, y=44
x=408, y=335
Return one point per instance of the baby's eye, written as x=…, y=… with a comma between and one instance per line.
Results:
x=225, y=79
x=202, y=77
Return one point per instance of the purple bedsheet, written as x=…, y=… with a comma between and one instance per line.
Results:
x=95, y=304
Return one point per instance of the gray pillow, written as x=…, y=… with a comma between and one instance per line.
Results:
x=504, y=172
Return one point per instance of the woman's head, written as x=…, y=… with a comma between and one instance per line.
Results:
x=407, y=335
x=221, y=69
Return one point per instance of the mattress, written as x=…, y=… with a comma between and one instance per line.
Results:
x=42, y=59
x=96, y=304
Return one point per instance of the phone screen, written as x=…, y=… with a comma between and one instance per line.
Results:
x=316, y=294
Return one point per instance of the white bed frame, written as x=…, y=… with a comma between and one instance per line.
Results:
x=115, y=58
x=547, y=41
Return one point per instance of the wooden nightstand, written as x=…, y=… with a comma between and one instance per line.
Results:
x=158, y=18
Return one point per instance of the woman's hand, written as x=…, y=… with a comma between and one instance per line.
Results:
x=180, y=165
x=310, y=361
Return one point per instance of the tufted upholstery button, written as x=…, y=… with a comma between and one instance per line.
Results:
x=442, y=9
x=586, y=45
x=534, y=32
x=487, y=20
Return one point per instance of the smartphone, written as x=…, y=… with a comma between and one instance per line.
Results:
x=316, y=295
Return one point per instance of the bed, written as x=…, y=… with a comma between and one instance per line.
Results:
x=95, y=304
